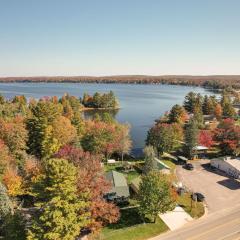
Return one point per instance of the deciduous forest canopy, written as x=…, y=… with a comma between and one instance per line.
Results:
x=213, y=81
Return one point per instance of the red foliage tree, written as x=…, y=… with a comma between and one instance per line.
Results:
x=91, y=179
x=205, y=138
x=228, y=136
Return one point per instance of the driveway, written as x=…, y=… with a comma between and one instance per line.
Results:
x=219, y=190
x=176, y=218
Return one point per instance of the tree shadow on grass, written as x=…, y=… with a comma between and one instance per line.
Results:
x=129, y=217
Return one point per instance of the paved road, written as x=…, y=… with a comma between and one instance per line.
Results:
x=220, y=225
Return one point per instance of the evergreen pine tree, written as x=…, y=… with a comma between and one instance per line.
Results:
x=191, y=138
x=62, y=214
x=150, y=164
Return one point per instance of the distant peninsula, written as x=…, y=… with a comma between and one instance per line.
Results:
x=211, y=81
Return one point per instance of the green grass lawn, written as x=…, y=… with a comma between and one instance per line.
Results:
x=197, y=209
x=118, y=167
x=131, y=227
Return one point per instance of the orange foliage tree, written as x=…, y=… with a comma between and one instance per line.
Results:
x=13, y=182
x=218, y=111
x=101, y=138
x=6, y=159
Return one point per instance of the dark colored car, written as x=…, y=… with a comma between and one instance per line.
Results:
x=189, y=166
x=198, y=196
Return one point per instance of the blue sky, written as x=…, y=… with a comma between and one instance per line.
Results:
x=108, y=37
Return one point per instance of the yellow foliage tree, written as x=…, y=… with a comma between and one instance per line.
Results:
x=13, y=182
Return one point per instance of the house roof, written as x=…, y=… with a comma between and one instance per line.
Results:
x=183, y=158
x=235, y=162
x=199, y=148
x=160, y=164
x=119, y=183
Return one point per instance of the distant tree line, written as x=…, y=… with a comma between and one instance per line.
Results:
x=213, y=81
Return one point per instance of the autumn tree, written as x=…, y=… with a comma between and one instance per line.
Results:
x=71, y=105
x=31, y=172
x=63, y=212
x=227, y=107
x=228, y=136
x=14, y=134
x=218, y=111
x=124, y=141
x=205, y=138
x=155, y=195
x=100, y=138
x=177, y=114
x=91, y=179
x=6, y=160
x=49, y=144
x=163, y=137
x=14, y=182
x=64, y=131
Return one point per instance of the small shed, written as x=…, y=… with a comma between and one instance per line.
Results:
x=200, y=151
x=111, y=161
x=119, y=184
x=200, y=148
x=161, y=165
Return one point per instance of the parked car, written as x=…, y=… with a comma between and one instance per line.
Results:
x=189, y=166
x=198, y=196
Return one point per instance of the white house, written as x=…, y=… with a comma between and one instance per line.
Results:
x=228, y=165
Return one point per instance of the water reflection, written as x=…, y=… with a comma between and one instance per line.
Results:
x=89, y=114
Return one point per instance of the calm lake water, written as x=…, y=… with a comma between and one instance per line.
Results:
x=140, y=104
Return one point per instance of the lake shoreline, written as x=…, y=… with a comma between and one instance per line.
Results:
x=103, y=109
x=140, y=105
x=211, y=81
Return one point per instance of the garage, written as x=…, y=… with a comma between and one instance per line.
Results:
x=229, y=165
